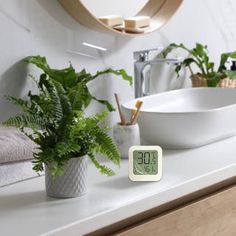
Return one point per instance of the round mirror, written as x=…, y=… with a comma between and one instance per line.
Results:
x=133, y=17
x=113, y=7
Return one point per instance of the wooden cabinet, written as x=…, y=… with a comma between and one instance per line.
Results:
x=213, y=215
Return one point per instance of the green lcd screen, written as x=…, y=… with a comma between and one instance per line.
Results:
x=145, y=162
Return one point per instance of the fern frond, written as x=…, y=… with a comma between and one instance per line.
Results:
x=37, y=164
x=102, y=168
x=23, y=104
x=65, y=108
x=80, y=97
x=23, y=120
x=102, y=116
x=63, y=98
x=59, y=105
x=53, y=106
x=56, y=105
x=67, y=149
x=107, y=147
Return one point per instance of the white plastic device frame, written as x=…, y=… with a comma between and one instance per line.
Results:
x=156, y=177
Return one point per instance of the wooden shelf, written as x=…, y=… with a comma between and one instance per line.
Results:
x=159, y=11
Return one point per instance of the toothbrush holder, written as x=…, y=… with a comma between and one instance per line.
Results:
x=126, y=136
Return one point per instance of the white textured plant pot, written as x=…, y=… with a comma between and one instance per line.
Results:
x=73, y=182
x=125, y=137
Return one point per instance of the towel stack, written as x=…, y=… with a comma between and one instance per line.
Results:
x=16, y=154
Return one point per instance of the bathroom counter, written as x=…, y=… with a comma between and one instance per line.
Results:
x=25, y=210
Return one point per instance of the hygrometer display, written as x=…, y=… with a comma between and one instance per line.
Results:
x=145, y=163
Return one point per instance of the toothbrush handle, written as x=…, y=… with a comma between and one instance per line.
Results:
x=122, y=118
x=134, y=119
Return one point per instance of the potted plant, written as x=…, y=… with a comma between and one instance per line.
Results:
x=206, y=74
x=65, y=137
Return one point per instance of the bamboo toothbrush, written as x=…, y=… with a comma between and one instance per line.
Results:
x=134, y=110
x=122, y=118
x=135, y=117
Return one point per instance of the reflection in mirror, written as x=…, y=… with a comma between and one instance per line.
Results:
x=117, y=15
x=113, y=7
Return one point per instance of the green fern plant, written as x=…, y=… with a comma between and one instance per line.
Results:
x=56, y=117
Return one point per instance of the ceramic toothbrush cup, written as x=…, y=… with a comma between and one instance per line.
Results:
x=126, y=136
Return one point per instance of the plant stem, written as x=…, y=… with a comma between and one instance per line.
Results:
x=190, y=69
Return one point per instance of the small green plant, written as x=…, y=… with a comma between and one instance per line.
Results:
x=56, y=117
x=198, y=56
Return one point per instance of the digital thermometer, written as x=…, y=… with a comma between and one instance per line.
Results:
x=145, y=163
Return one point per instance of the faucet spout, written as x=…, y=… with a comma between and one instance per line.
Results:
x=142, y=69
x=174, y=61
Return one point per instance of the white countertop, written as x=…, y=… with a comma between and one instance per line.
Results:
x=26, y=211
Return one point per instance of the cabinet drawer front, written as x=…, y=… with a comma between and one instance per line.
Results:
x=214, y=215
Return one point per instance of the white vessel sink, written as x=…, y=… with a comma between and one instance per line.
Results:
x=186, y=118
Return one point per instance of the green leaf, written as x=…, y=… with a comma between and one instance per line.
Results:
x=188, y=61
x=102, y=115
x=67, y=149
x=165, y=52
x=231, y=74
x=120, y=72
x=102, y=168
x=106, y=146
x=105, y=103
x=84, y=77
x=200, y=50
x=40, y=62
x=28, y=120
x=79, y=96
x=213, y=79
x=178, y=69
x=67, y=76
x=210, y=66
x=19, y=102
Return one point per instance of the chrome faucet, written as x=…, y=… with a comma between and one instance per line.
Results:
x=142, y=69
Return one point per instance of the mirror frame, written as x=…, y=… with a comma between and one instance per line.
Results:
x=159, y=12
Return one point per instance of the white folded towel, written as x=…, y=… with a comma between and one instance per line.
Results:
x=15, y=172
x=14, y=146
